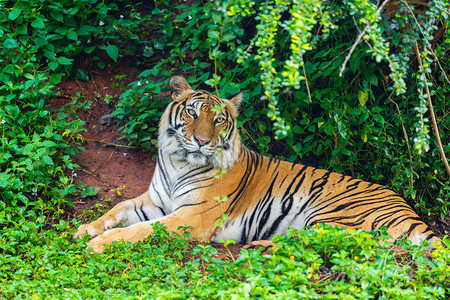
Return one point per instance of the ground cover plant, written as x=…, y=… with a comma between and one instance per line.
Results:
x=323, y=262
x=373, y=122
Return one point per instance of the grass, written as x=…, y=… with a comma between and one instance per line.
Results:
x=322, y=262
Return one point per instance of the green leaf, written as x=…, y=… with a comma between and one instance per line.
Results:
x=203, y=65
x=28, y=149
x=55, y=78
x=53, y=65
x=56, y=15
x=82, y=74
x=72, y=35
x=213, y=81
x=14, y=13
x=328, y=129
x=47, y=144
x=363, y=96
x=228, y=37
x=10, y=43
x=40, y=42
x=89, y=191
x=213, y=34
x=89, y=50
x=354, y=64
x=113, y=52
x=47, y=160
x=38, y=24
x=22, y=29
x=28, y=84
x=145, y=73
x=371, y=78
x=379, y=118
x=64, y=61
x=86, y=30
x=342, y=129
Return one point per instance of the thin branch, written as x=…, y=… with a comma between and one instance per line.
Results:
x=433, y=117
x=306, y=78
x=428, y=43
x=358, y=40
x=111, y=144
x=331, y=61
x=103, y=164
x=406, y=137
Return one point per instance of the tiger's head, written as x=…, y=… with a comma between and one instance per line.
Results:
x=200, y=128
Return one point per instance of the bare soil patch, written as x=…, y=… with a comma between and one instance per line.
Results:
x=108, y=163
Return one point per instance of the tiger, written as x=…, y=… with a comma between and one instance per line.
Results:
x=204, y=171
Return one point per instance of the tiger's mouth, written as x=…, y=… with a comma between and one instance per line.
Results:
x=197, y=158
x=197, y=153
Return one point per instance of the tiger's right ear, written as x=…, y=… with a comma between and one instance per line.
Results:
x=178, y=84
x=236, y=100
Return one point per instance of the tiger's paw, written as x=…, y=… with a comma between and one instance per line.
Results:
x=92, y=229
x=260, y=243
x=98, y=243
x=129, y=234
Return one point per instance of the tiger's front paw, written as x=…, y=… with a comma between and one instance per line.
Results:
x=133, y=233
x=98, y=243
x=93, y=229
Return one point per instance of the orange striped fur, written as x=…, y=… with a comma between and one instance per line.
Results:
x=265, y=195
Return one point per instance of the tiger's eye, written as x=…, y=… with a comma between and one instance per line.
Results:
x=191, y=112
x=220, y=120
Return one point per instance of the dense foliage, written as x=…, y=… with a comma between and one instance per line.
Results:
x=365, y=115
x=323, y=262
x=372, y=122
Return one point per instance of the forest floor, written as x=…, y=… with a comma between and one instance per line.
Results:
x=108, y=163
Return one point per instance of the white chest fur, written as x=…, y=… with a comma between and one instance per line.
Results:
x=176, y=183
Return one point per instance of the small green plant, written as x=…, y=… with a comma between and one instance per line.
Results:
x=119, y=84
x=93, y=213
x=87, y=191
x=119, y=190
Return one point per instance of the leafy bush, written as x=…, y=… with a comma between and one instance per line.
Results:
x=329, y=262
x=40, y=42
x=315, y=263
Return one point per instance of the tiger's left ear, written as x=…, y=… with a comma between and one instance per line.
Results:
x=236, y=100
x=178, y=84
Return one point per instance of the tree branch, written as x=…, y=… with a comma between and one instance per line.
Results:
x=358, y=40
x=433, y=117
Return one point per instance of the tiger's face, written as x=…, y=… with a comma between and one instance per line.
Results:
x=200, y=128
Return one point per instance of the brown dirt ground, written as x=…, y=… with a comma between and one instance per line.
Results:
x=108, y=163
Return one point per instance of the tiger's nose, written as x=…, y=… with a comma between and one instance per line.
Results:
x=200, y=141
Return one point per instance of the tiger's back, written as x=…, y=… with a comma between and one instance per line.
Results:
x=278, y=194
